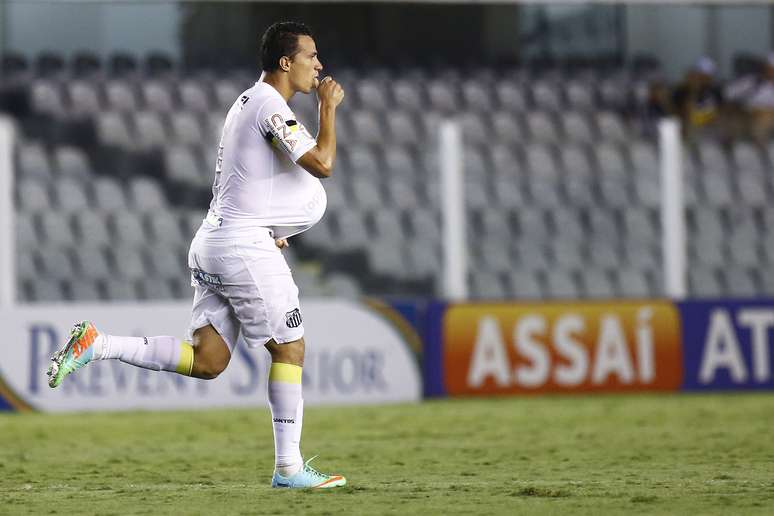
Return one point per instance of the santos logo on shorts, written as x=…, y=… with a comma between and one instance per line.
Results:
x=293, y=318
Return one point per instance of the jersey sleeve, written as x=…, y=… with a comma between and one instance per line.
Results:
x=281, y=128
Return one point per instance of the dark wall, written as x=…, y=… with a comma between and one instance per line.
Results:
x=347, y=33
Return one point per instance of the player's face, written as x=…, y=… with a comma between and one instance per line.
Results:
x=305, y=66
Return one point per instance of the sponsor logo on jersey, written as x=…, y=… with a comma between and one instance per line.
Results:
x=281, y=131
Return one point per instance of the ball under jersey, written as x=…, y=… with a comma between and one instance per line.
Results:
x=257, y=181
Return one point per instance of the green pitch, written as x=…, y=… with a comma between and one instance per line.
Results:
x=554, y=455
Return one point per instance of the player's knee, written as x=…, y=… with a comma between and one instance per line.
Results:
x=207, y=375
x=287, y=353
x=208, y=366
x=210, y=369
x=211, y=354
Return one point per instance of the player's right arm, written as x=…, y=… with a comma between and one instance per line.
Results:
x=319, y=160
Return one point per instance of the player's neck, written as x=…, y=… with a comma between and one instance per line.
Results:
x=280, y=83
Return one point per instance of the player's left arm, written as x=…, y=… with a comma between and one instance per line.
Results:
x=282, y=129
x=319, y=160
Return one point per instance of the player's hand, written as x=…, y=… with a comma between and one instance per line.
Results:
x=281, y=243
x=330, y=92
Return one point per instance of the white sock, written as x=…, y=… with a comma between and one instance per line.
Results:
x=287, y=412
x=157, y=353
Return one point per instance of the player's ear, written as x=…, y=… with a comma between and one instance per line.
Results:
x=284, y=63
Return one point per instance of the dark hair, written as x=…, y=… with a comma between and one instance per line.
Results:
x=281, y=39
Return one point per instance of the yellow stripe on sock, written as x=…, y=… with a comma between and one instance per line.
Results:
x=185, y=365
x=287, y=373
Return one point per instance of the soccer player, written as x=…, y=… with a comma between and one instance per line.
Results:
x=267, y=188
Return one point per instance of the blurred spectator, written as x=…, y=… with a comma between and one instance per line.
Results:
x=755, y=94
x=698, y=100
x=657, y=105
x=736, y=93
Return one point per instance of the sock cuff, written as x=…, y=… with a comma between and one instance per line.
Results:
x=185, y=364
x=287, y=373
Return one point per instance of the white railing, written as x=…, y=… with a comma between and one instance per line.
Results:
x=672, y=209
x=7, y=216
x=455, y=278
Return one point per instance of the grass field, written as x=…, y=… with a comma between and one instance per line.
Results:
x=555, y=455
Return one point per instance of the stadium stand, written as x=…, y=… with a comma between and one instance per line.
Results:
x=114, y=167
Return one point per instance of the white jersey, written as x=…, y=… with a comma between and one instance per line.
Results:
x=257, y=181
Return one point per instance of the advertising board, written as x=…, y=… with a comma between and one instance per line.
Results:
x=510, y=348
x=727, y=345
x=354, y=355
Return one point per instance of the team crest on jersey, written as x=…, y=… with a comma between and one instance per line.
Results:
x=293, y=318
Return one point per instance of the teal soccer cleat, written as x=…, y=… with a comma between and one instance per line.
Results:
x=308, y=478
x=75, y=354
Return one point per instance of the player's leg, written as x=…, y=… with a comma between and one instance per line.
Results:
x=265, y=301
x=286, y=403
x=86, y=344
x=205, y=357
x=215, y=330
x=287, y=411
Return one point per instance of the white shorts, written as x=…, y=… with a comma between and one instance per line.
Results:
x=244, y=286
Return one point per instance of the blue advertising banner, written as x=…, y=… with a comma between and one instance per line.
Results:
x=433, y=365
x=726, y=345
